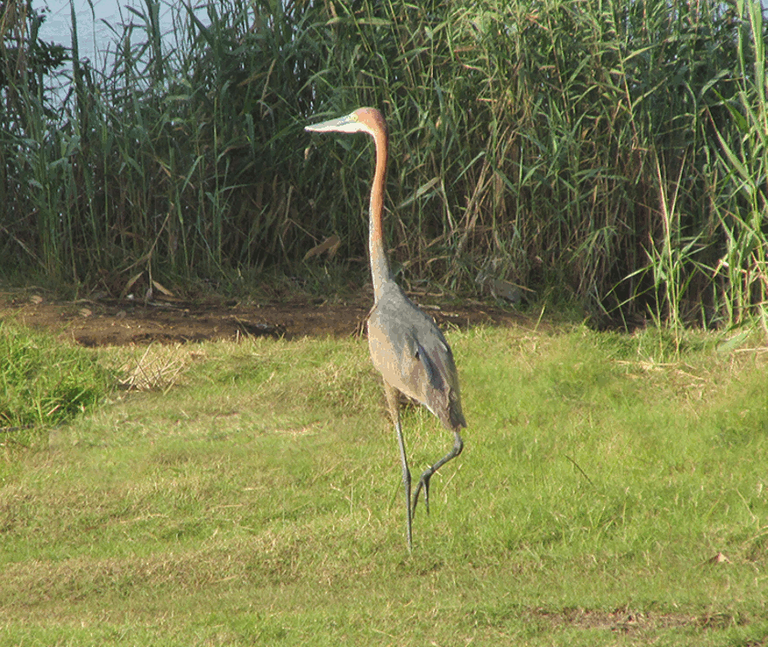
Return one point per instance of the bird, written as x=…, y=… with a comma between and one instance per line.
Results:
x=406, y=346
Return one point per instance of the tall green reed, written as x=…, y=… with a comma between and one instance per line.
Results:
x=740, y=204
x=582, y=148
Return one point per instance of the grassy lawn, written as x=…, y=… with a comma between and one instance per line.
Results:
x=611, y=492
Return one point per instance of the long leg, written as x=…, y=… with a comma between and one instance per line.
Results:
x=458, y=445
x=394, y=411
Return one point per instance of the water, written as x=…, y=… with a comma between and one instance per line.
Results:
x=94, y=35
x=100, y=25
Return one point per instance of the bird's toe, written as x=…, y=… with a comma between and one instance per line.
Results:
x=423, y=483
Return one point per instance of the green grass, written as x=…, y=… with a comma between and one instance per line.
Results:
x=43, y=382
x=257, y=501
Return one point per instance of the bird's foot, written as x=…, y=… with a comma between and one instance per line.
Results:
x=423, y=482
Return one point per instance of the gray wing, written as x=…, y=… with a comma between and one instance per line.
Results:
x=412, y=355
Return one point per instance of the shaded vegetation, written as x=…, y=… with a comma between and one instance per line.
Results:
x=45, y=383
x=611, y=152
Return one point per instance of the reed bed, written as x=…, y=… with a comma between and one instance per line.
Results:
x=607, y=152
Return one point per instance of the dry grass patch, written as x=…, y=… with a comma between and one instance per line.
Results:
x=156, y=367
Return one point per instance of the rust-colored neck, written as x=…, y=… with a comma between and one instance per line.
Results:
x=379, y=263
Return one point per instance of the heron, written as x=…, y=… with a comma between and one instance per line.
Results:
x=406, y=346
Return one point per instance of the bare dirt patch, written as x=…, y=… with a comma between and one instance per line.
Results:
x=113, y=322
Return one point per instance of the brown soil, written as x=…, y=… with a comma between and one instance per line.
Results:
x=119, y=322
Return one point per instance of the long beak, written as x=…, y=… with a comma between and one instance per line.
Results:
x=348, y=123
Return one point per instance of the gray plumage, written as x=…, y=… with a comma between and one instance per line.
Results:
x=413, y=356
